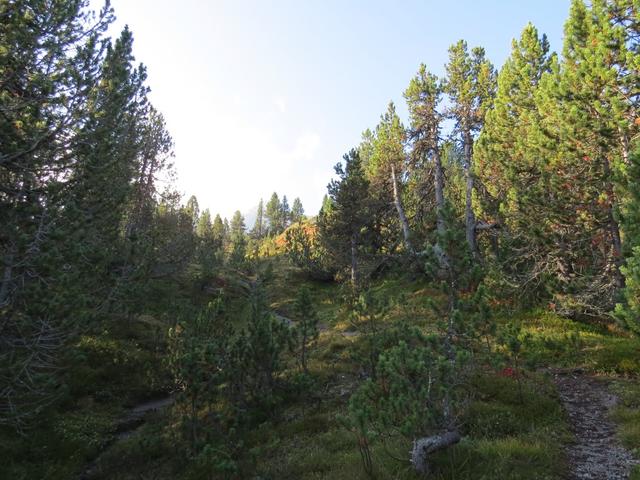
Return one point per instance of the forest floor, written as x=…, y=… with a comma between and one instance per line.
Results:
x=596, y=453
x=547, y=434
x=126, y=426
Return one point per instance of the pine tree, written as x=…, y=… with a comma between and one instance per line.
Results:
x=238, y=227
x=470, y=85
x=227, y=228
x=50, y=59
x=219, y=233
x=502, y=159
x=413, y=387
x=138, y=231
x=238, y=240
x=326, y=205
x=423, y=99
x=267, y=337
x=343, y=226
x=509, y=163
x=306, y=330
x=628, y=310
x=297, y=211
x=285, y=215
x=385, y=169
x=196, y=358
x=581, y=138
x=110, y=152
x=173, y=246
x=193, y=209
x=204, y=227
x=258, y=228
x=273, y=213
x=81, y=147
x=206, y=251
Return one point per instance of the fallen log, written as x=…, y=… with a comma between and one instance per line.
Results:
x=423, y=447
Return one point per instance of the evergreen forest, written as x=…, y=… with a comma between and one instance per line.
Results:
x=464, y=305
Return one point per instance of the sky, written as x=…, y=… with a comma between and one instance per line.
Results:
x=264, y=96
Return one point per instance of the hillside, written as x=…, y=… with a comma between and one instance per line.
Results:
x=465, y=304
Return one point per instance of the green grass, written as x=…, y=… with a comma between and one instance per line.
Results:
x=503, y=439
x=554, y=341
x=627, y=415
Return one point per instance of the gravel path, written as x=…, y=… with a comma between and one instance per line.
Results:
x=596, y=453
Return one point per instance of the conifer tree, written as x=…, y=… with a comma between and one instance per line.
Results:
x=344, y=226
x=258, y=228
x=273, y=213
x=238, y=227
x=502, y=153
x=583, y=124
x=266, y=339
x=81, y=147
x=206, y=251
x=227, y=228
x=509, y=163
x=285, y=213
x=423, y=99
x=238, y=240
x=414, y=390
x=470, y=85
x=218, y=233
x=386, y=168
x=306, y=329
x=193, y=209
x=588, y=106
x=204, y=227
x=197, y=361
x=50, y=60
x=366, y=148
x=326, y=204
x=628, y=310
x=297, y=211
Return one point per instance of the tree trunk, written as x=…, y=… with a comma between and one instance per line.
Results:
x=304, y=352
x=6, y=277
x=354, y=262
x=616, y=241
x=441, y=228
x=470, y=219
x=406, y=233
x=423, y=447
x=624, y=146
x=439, y=187
x=614, y=229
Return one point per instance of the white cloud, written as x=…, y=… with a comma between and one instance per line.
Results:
x=280, y=103
x=306, y=147
x=245, y=163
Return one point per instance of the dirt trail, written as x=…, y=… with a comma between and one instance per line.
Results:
x=135, y=416
x=126, y=427
x=596, y=453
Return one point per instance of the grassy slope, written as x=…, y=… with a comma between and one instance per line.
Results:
x=504, y=438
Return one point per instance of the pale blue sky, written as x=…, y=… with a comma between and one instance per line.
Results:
x=267, y=95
